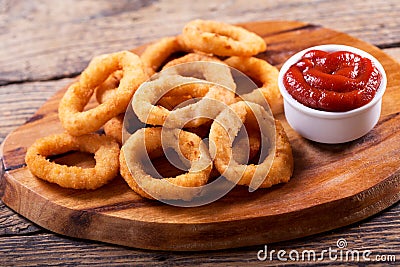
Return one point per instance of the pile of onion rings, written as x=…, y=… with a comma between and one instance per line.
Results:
x=180, y=90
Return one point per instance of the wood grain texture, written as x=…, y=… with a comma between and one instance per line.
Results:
x=375, y=22
x=19, y=101
x=104, y=254
x=340, y=178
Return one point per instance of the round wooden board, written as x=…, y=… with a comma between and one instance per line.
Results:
x=332, y=185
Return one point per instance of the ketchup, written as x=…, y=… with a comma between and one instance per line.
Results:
x=332, y=81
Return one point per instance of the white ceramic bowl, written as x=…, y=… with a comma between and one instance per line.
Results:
x=332, y=127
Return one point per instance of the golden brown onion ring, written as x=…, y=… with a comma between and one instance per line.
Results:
x=105, y=150
x=158, y=52
x=71, y=108
x=221, y=39
x=191, y=115
x=144, y=142
x=275, y=168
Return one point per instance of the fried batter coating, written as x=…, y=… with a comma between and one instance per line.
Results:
x=105, y=150
x=106, y=90
x=71, y=108
x=221, y=39
x=158, y=52
x=113, y=128
x=146, y=141
x=276, y=167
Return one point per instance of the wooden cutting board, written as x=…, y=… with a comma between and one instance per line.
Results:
x=332, y=185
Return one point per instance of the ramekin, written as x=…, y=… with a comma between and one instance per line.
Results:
x=332, y=127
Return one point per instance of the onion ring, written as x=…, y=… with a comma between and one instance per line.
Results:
x=151, y=92
x=105, y=150
x=253, y=175
x=145, y=141
x=260, y=70
x=221, y=39
x=191, y=115
x=71, y=114
x=158, y=52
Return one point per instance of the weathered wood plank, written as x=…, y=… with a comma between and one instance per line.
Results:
x=18, y=102
x=13, y=224
x=378, y=234
x=67, y=34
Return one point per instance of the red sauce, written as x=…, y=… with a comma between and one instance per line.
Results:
x=332, y=81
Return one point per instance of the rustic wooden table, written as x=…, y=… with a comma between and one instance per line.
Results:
x=44, y=44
